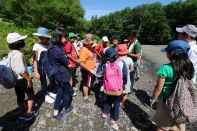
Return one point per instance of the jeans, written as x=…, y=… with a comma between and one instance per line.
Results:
x=51, y=87
x=112, y=103
x=64, y=92
x=134, y=76
x=43, y=79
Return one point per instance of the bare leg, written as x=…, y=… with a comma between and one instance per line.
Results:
x=30, y=106
x=85, y=90
x=159, y=129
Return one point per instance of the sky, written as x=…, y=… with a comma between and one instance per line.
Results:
x=104, y=7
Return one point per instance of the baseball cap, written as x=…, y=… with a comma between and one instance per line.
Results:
x=14, y=37
x=110, y=53
x=72, y=35
x=105, y=39
x=177, y=46
x=189, y=29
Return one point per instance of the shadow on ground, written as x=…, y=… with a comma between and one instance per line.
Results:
x=10, y=121
x=138, y=117
x=143, y=96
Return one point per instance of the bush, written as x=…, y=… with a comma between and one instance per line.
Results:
x=7, y=27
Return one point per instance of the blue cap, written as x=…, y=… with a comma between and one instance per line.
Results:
x=110, y=53
x=42, y=32
x=177, y=46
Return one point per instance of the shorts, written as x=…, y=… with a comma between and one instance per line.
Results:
x=21, y=89
x=87, y=78
x=163, y=120
x=72, y=73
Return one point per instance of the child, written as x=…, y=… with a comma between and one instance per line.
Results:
x=115, y=42
x=24, y=83
x=168, y=74
x=72, y=58
x=44, y=37
x=87, y=63
x=64, y=90
x=113, y=97
x=122, y=52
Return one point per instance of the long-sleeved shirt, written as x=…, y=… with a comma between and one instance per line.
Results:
x=62, y=62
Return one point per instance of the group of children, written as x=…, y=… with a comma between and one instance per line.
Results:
x=68, y=58
x=115, y=63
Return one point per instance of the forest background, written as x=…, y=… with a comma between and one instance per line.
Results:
x=155, y=23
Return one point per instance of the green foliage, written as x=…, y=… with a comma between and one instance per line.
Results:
x=154, y=22
x=47, y=13
x=7, y=27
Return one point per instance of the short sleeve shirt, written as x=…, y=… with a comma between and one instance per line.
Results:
x=129, y=63
x=166, y=71
x=18, y=63
x=88, y=57
x=69, y=48
x=137, y=49
x=38, y=48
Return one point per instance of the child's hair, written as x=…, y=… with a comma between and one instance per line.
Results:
x=57, y=34
x=112, y=60
x=182, y=65
x=17, y=45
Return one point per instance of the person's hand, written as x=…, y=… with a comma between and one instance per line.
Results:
x=37, y=76
x=92, y=71
x=69, y=65
x=152, y=102
x=30, y=83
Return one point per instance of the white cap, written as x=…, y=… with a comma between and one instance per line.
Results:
x=14, y=37
x=105, y=39
x=189, y=29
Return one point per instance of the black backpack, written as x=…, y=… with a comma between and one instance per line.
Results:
x=47, y=61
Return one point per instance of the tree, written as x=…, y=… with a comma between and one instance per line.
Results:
x=47, y=13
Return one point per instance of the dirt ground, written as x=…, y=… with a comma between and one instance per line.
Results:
x=86, y=114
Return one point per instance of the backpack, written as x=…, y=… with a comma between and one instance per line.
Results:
x=7, y=76
x=182, y=104
x=113, y=82
x=47, y=61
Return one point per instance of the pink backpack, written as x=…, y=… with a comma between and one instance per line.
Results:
x=113, y=82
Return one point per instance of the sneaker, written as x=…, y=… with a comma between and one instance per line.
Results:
x=75, y=88
x=74, y=94
x=85, y=98
x=60, y=117
x=30, y=117
x=53, y=95
x=49, y=99
x=104, y=115
x=21, y=117
x=122, y=105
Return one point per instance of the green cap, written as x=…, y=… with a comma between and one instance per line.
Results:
x=71, y=35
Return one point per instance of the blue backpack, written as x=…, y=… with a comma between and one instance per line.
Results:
x=47, y=61
x=7, y=77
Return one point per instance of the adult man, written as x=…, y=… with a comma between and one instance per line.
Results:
x=189, y=34
x=135, y=52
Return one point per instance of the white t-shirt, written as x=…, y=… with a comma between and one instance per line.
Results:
x=38, y=48
x=78, y=45
x=18, y=63
x=192, y=54
x=129, y=63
